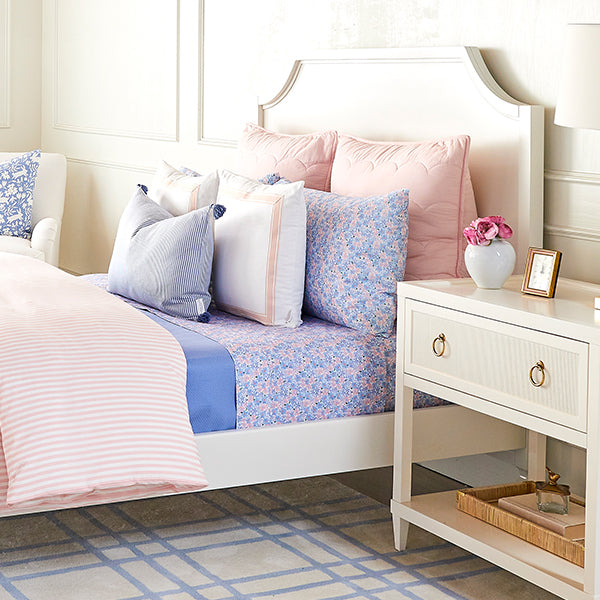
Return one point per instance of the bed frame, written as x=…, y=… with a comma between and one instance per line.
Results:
x=399, y=94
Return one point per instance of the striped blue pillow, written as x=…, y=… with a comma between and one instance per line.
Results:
x=164, y=261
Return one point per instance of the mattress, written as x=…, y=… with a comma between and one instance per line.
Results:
x=316, y=371
x=283, y=375
x=210, y=386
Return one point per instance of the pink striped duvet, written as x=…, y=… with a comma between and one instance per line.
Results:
x=92, y=396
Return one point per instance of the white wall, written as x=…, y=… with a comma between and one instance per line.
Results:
x=127, y=82
x=20, y=74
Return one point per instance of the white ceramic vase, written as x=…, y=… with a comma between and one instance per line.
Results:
x=490, y=266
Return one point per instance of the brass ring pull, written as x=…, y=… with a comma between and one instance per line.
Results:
x=541, y=369
x=442, y=340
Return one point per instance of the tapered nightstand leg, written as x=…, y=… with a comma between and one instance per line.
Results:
x=400, y=533
x=403, y=438
x=591, y=583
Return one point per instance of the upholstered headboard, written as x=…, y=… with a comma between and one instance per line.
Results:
x=420, y=94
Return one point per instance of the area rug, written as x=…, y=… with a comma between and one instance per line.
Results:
x=311, y=539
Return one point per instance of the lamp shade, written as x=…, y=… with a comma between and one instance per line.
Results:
x=578, y=102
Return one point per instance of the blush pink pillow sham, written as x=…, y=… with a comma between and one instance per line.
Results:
x=306, y=157
x=441, y=199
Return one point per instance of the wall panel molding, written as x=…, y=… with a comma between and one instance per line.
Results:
x=113, y=165
x=572, y=176
x=556, y=177
x=145, y=135
x=577, y=233
x=64, y=88
x=202, y=137
x=5, y=70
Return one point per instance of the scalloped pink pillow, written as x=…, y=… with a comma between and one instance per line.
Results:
x=305, y=157
x=442, y=202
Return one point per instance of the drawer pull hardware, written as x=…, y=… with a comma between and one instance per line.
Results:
x=539, y=368
x=442, y=340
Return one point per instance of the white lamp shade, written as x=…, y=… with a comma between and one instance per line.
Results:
x=578, y=103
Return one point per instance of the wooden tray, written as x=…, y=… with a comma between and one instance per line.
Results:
x=483, y=504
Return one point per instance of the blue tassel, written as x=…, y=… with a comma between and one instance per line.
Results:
x=270, y=179
x=218, y=210
x=203, y=318
x=144, y=188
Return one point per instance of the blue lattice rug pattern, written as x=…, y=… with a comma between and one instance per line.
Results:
x=312, y=539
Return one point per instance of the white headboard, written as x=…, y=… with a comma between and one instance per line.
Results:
x=426, y=93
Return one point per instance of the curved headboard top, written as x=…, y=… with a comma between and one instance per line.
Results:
x=414, y=94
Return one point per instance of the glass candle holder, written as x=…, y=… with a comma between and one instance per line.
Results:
x=552, y=497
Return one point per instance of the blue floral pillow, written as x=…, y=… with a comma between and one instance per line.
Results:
x=355, y=254
x=17, y=180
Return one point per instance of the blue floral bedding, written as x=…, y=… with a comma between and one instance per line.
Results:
x=316, y=371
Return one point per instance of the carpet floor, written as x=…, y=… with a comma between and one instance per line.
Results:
x=311, y=539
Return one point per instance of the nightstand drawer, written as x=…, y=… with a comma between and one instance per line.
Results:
x=529, y=371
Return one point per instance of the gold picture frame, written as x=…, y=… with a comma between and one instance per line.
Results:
x=541, y=272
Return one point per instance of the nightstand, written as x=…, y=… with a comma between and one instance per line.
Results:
x=525, y=360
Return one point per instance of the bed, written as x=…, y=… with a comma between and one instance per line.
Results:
x=456, y=91
x=453, y=87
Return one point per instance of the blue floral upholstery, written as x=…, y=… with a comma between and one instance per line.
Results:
x=17, y=180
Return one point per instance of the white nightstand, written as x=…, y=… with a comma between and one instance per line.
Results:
x=488, y=350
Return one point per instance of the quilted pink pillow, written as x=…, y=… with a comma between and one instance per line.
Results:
x=306, y=157
x=442, y=202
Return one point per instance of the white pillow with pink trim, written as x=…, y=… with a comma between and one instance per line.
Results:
x=260, y=253
x=179, y=191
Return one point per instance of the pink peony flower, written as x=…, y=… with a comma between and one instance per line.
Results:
x=486, y=228
x=482, y=231
x=471, y=235
x=504, y=231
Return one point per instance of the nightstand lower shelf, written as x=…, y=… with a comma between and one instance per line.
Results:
x=438, y=514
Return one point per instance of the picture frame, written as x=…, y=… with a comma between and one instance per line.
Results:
x=541, y=272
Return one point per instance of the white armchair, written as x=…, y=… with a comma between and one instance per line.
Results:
x=48, y=205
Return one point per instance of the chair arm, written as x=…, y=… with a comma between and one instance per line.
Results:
x=43, y=236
